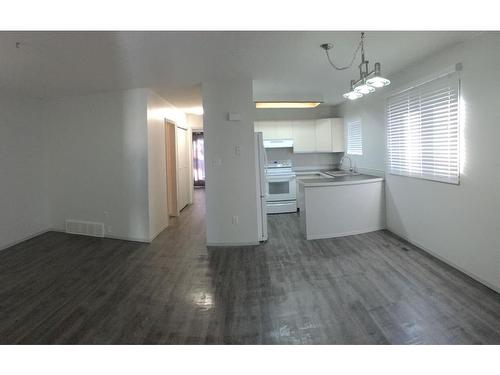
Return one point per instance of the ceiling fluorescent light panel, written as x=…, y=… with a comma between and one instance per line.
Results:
x=287, y=104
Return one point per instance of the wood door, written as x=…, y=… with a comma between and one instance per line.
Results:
x=171, y=158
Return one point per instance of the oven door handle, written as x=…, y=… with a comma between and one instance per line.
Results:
x=280, y=179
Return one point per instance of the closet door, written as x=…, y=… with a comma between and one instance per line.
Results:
x=183, y=165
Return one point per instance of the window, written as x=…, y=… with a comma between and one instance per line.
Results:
x=354, y=138
x=423, y=131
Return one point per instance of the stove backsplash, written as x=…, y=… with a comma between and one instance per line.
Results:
x=305, y=161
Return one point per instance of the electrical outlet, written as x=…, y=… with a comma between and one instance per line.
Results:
x=237, y=150
x=236, y=220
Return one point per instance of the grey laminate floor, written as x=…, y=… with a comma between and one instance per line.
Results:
x=366, y=289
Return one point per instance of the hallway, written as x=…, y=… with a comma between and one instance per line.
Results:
x=366, y=289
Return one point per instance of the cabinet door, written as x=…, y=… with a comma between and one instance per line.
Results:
x=338, y=139
x=275, y=129
x=304, y=136
x=324, y=140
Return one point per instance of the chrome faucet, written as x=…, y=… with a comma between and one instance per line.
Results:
x=342, y=161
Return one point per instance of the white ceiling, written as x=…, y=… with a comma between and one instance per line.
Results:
x=283, y=65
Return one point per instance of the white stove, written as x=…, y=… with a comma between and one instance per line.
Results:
x=281, y=187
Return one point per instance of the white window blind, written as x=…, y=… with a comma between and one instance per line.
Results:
x=354, y=138
x=423, y=131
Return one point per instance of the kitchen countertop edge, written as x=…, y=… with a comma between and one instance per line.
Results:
x=320, y=182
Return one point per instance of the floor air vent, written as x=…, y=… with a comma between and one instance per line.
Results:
x=87, y=228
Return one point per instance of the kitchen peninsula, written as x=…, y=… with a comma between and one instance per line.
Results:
x=341, y=206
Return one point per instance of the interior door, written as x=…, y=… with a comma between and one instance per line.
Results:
x=171, y=158
x=183, y=166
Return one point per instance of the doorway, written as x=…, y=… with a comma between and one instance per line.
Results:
x=178, y=167
x=183, y=168
x=198, y=159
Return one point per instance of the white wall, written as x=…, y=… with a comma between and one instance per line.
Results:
x=24, y=209
x=157, y=170
x=98, y=158
x=82, y=157
x=158, y=109
x=459, y=224
x=195, y=121
x=370, y=110
x=230, y=179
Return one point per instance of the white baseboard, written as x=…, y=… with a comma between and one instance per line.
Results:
x=123, y=238
x=126, y=238
x=158, y=233
x=24, y=239
x=448, y=262
x=335, y=235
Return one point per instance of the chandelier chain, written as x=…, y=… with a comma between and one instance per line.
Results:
x=360, y=46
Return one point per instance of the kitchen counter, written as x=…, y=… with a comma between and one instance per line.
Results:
x=339, y=180
x=341, y=206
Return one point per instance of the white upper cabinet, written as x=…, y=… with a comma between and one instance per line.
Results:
x=274, y=129
x=304, y=136
x=338, y=135
x=322, y=135
x=324, y=139
x=330, y=135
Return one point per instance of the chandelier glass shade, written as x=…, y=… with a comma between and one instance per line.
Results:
x=378, y=82
x=352, y=95
x=364, y=88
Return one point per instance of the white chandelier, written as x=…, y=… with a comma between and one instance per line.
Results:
x=368, y=81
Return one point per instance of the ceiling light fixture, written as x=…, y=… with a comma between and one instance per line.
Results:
x=364, y=89
x=352, y=95
x=287, y=104
x=368, y=80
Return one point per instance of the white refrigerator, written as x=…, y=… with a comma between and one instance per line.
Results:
x=261, y=163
